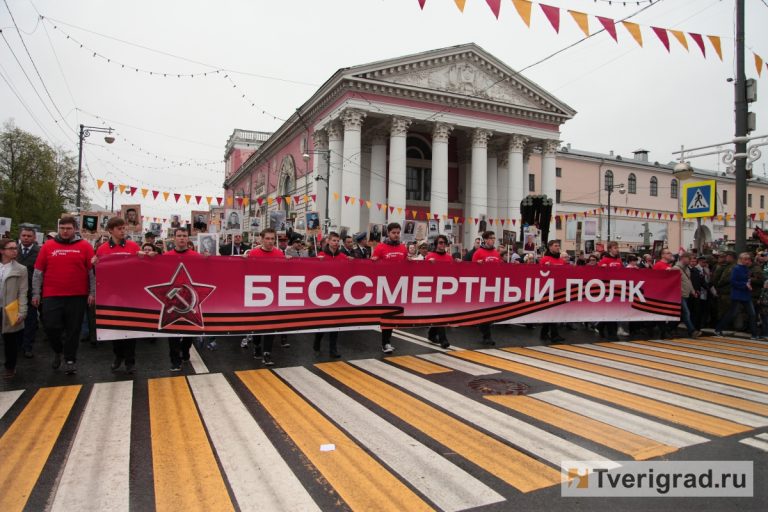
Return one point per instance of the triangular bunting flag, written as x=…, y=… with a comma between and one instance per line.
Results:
x=609, y=26
x=279, y=200
x=490, y=221
x=680, y=36
x=208, y=199
x=761, y=216
x=111, y=186
x=368, y=204
x=421, y=4
x=460, y=4
x=187, y=197
x=523, y=8
x=661, y=33
x=495, y=6
x=582, y=20
x=414, y=213
x=715, y=40
x=144, y=192
x=246, y=201
x=436, y=216
x=218, y=200
x=634, y=29
x=229, y=201
x=296, y=199
x=399, y=210
x=378, y=206
x=428, y=215
x=513, y=221
x=476, y=220
x=758, y=64
x=260, y=201
x=314, y=197
x=346, y=199
x=456, y=220
x=659, y=215
x=121, y=188
x=198, y=199
x=335, y=196
x=270, y=200
x=553, y=15
x=699, y=42
x=752, y=216
x=165, y=196
x=133, y=190
x=391, y=210
x=99, y=183
x=288, y=199
x=155, y=193
x=502, y=221
x=351, y=200
x=177, y=197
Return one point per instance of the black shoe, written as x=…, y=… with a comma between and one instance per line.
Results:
x=543, y=337
x=56, y=364
x=557, y=339
x=176, y=367
x=117, y=363
x=70, y=368
x=284, y=341
x=488, y=341
x=335, y=355
x=268, y=359
x=28, y=354
x=257, y=354
x=130, y=369
x=445, y=344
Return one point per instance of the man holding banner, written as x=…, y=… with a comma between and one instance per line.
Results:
x=390, y=249
x=486, y=254
x=331, y=253
x=262, y=344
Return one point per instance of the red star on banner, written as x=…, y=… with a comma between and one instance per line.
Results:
x=181, y=299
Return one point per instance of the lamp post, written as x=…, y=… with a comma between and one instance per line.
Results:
x=85, y=131
x=610, y=188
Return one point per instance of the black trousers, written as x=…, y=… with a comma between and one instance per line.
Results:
x=265, y=341
x=333, y=337
x=386, y=335
x=437, y=333
x=62, y=319
x=485, y=330
x=126, y=350
x=178, y=349
x=11, y=340
x=549, y=331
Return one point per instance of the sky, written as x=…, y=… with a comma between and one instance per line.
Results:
x=272, y=56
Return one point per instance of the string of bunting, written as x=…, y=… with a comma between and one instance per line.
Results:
x=552, y=13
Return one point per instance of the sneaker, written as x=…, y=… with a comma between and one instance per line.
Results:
x=176, y=367
x=719, y=334
x=56, y=363
x=445, y=344
x=268, y=359
x=212, y=345
x=117, y=363
x=696, y=334
x=284, y=341
x=488, y=341
x=130, y=369
x=388, y=348
x=334, y=355
x=70, y=368
x=257, y=354
x=755, y=338
x=244, y=343
x=622, y=332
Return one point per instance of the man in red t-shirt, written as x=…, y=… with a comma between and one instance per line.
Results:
x=552, y=257
x=487, y=254
x=439, y=255
x=178, y=346
x=331, y=252
x=124, y=350
x=65, y=281
x=267, y=249
x=390, y=249
x=665, y=261
x=611, y=259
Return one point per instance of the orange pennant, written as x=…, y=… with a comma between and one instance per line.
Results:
x=187, y=197
x=165, y=195
x=144, y=192
x=229, y=201
x=460, y=4
x=523, y=8
x=335, y=196
x=368, y=204
x=680, y=36
x=99, y=183
x=246, y=201
x=634, y=30
x=121, y=188
x=270, y=200
x=758, y=64
x=715, y=40
x=209, y=199
x=582, y=20
x=399, y=211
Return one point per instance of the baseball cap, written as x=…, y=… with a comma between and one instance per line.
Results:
x=360, y=236
x=51, y=234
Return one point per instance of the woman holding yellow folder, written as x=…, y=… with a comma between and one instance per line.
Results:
x=13, y=297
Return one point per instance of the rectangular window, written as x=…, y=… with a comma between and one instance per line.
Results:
x=558, y=172
x=762, y=202
x=557, y=196
x=418, y=183
x=749, y=200
x=725, y=197
x=558, y=223
x=531, y=183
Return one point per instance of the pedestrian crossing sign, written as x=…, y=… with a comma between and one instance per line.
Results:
x=699, y=199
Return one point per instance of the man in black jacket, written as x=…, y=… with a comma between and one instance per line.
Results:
x=27, y=256
x=236, y=248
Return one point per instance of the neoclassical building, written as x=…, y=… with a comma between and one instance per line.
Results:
x=447, y=132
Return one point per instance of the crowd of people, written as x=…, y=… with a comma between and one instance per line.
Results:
x=54, y=284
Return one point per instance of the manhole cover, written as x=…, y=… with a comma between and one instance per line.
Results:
x=498, y=387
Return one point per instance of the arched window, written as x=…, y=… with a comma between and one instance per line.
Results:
x=673, y=189
x=418, y=147
x=632, y=184
x=654, y=186
x=608, y=179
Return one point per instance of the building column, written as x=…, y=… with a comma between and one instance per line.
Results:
x=365, y=185
x=396, y=196
x=320, y=164
x=517, y=180
x=378, y=186
x=350, y=182
x=336, y=149
x=465, y=175
x=548, y=164
x=502, y=181
x=479, y=179
x=438, y=202
x=493, y=187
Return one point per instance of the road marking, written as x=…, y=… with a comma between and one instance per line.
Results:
x=7, y=399
x=672, y=413
x=513, y=467
x=196, y=361
x=679, y=347
x=762, y=436
x=97, y=472
x=186, y=474
x=760, y=347
x=259, y=477
x=419, y=340
x=695, y=370
x=715, y=362
x=660, y=432
x=27, y=444
x=719, y=348
x=360, y=480
x=448, y=486
x=418, y=365
x=755, y=443
x=458, y=364
x=710, y=391
x=632, y=386
x=523, y=435
x=638, y=447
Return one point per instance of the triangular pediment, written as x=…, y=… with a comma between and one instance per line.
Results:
x=467, y=71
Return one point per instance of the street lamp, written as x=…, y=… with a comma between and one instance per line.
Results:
x=85, y=131
x=610, y=188
x=327, y=154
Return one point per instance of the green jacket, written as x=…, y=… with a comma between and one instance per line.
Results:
x=722, y=279
x=756, y=279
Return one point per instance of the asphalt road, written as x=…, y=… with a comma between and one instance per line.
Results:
x=424, y=429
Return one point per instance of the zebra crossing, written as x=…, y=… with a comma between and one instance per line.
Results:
x=398, y=433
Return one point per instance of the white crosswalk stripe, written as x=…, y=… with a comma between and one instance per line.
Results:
x=524, y=435
x=448, y=486
x=694, y=404
x=459, y=364
x=712, y=358
x=7, y=399
x=756, y=443
x=724, y=351
x=97, y=473
x=725, y=344
x=259, y=477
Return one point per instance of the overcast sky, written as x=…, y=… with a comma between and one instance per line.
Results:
x=278, y=53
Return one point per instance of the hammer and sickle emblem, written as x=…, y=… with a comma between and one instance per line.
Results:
x=175, y=294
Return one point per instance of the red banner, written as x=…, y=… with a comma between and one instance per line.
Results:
x=232, y=296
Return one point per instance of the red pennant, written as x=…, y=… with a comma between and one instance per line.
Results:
x=378, y=206
x=155, y=193
x=495, y=6
x=502, y=222
x=609, y=26
x=647, y=215
x=421, y=4
x=663, y=36
x=133, y=190
x=659, y=215
x=346, y=199
x=490, y=221
x=260, y=201
x=239, y=201
x=177, y=196
x=296, y=199
x=672, y=216
x=111, y=186
x=279, y=199
x=752, y=216
x=615, y=209
x=513, y=222
x=476, y=220
x=553, y=15
x=198, y=198
x=699, y=42
x=314, y=197
x=219, y=200
x=436, y=216
x=391, y=210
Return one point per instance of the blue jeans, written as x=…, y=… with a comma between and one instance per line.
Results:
x=685, y=316
x=750, y=309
